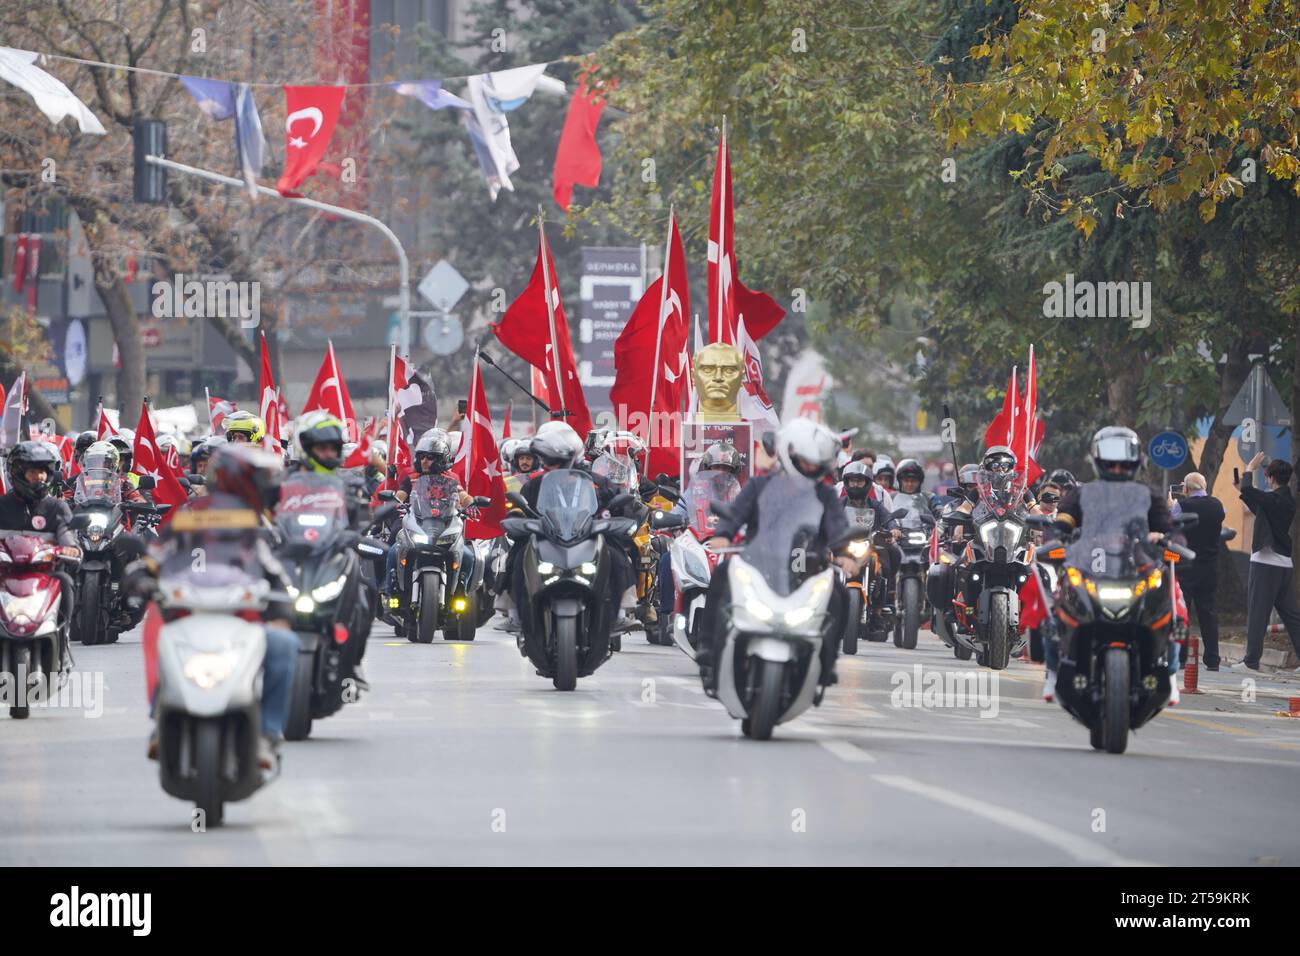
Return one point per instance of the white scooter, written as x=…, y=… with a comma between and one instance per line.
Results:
x=208, y=707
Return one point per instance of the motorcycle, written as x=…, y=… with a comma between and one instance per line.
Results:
x=995, y=564
x=98, y=496
x=210, y=647
x=567, y=617
x=434, y=589
x=917, y=523
x=870, y=615
x=770, y=662
x=1116, y=614
x=332, y=600
x=693, y=563
x=31, y=594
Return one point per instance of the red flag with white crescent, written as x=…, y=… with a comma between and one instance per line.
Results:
x=269, y=409
x=146, y=459
x=310, y=115
x=330, y=392
x=479, y=465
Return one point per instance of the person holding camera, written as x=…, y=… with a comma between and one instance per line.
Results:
x=1269, y=585
x=1200, y=578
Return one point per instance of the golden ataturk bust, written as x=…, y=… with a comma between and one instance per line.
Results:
x=719, y=372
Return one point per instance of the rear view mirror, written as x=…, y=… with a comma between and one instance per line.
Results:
x=196, y=480
x=665, y=520
x=1227, y=534
x=482, y=501
x=388, y=496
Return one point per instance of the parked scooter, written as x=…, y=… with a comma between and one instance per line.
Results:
x=32, y=627
x=567, y=616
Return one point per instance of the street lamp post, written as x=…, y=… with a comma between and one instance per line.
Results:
x=404, y=265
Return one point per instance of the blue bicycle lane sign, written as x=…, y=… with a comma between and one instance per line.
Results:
x=1168, y=450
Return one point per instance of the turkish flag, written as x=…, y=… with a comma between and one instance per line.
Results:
x=310, y=115
x=577, y=160
x=647, y=397
x=1002, y=429
x=104, y=426
x=479, y=466
x=269, y=410
x=729, y=300
x=505, y=426
x=538, y=335
x=146, y=459
x=218, y=409
x=330, y=392
x=1031, y=430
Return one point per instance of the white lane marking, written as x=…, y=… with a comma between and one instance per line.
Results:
x=381, y=714
x=1080, y=848
x=847, y=751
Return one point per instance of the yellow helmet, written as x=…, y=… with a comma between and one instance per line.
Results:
x=244, y=424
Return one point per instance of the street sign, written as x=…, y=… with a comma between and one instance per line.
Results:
x=1168, y=450
x=443, y=335
x=1258, y=398
x=443, y=286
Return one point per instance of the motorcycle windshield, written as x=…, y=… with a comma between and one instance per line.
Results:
x=1114, y=525
x=860, y=517
x=789, y=517
x=311, y=508
x=707, y=487
x=227, y=558
x=100, y=486
x=1001, y=493
x=915, y=504
x=434, y=496
x=567, y=503
x=618, y=469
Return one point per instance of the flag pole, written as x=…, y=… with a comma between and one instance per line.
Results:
x=724, y=163
x=468, y=438
x=550, y=314
x=537, y=402
x=659, y=321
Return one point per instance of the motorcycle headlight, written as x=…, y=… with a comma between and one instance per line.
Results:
x=1114, y=594
x=98, y=522
x=419, y=537
x=1000, y=534
x=758, y=610
x=330, y=590
x=588, y=567
x=858, y=548
x=304, y=605
x=208, y=670
x=545, y=567
x=799, y=615
x=25, y=608
x=449, y=537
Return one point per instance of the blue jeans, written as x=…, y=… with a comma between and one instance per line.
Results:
x=390, y=569
x=277, y=679
x=667, y=588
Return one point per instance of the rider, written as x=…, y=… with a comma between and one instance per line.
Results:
x=376, y=467
x=29, y=506
x=124, y=442
x=243, y=426
x=1116, y=456
x=883, y=472
x=243, y=479
x=808, y=450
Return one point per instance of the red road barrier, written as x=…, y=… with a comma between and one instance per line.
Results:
x=1192, y=672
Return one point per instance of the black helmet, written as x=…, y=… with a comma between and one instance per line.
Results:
x=32, y=454
x=1063, y=479
x=852, y=489
x=999, y=460
x=908, y=468
x=84, y=441
x=1116, y=445
x=247, y=472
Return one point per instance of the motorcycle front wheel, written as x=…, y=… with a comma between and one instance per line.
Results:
x=765, y=704
x=909, y=596
x=298, y=727
x=1115, y=707
x=566, y=653
x=22, y=663
x=853, y=622
x=207, y=771
x=999, y=642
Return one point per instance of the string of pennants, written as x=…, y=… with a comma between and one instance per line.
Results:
x=312, y=112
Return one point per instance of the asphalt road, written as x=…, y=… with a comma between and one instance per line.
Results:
x=462, y=755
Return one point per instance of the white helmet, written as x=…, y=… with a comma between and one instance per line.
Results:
x=813, y=445
x=557, y=445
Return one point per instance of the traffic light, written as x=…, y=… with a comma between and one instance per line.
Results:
x=150, y=138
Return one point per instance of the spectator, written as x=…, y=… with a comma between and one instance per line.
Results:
x=1200, y=578
x=1269, y=585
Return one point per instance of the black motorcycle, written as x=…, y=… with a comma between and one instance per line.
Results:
x=566, y=614
x=917, y=523
x=437, y=575
x=995, y=566
x=331, y=599
x=1116, y=614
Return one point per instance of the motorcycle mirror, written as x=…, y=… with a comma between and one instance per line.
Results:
x=518, y=500
x=388, y=496
x=1227, y=534
x=482, y=502
x=769, y=443
x=662, y=478
x=1186, y=520
x=381, y=514
x=146, y=483
x=196, y=480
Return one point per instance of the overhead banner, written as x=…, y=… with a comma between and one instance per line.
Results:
x=612, y=283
